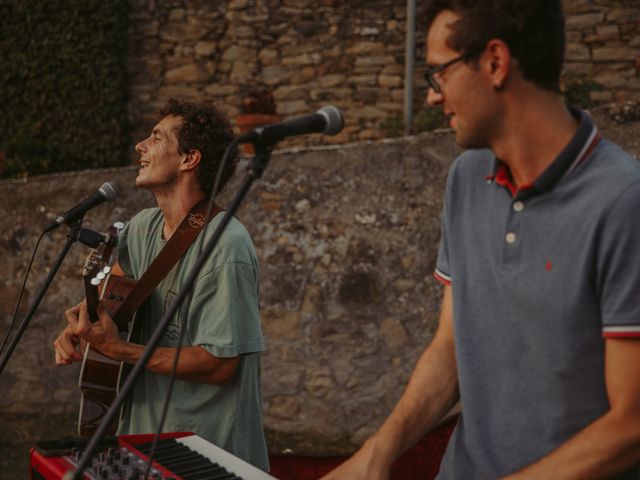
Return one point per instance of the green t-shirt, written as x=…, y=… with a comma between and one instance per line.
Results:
x=223, y=318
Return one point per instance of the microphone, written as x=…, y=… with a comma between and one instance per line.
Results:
x=327, y=120
x=107, y=191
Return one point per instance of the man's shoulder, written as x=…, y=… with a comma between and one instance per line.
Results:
x=235, y=244
x=474, y=162
x=145, y=218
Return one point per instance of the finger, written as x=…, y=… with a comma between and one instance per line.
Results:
x=72, y=316
x=66, y=347
x=61, y=356
x=84, y=324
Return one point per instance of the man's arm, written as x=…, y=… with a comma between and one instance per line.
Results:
x=431, y=392
x=195, y=364
x=611, y=444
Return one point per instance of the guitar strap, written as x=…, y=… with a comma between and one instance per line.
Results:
x=175, y=247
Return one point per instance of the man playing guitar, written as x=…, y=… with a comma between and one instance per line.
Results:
x=217, y=393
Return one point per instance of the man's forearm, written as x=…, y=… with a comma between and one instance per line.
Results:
x=195, y=364
x=608, y=446
x=430, y=394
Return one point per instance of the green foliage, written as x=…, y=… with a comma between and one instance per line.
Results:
x=426, y=120
x=577, y=89
x=392, y=127
x=63, y=85
x=429, y=119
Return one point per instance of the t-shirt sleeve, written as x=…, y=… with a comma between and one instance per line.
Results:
x=224, y=316
x=618, y=274
x=442, y=271
x=124, y=259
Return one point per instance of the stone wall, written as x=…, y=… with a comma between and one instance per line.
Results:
x=603, y=44
x=346, y=53
x=346, y=238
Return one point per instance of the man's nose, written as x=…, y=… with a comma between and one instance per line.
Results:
x=140, y=147
x=433, y=98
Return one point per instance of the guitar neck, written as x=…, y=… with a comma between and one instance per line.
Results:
x=93, y=299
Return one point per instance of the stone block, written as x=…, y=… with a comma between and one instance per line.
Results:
x=626, y=15
x=292, y=107
x=393, y=334
x=191, y=73
x=176, y=15
x=284, y=407
x=577, y=52
x=221, y=90
x=205, y=49
x=374, y=61
x=364, y=80
x=367, y=48
x=242, y=72
x=182, y=32
x=288, y=92
x=334, y=80
x=179, y=92
x=304, y=59
x=370, y=112
x=393, y=70
x=239, y=54
x=273, y=75
x=608, y=30
x=589, y=20
x=614, y=54
x=269, y=56
x=319, y=382
x=389, y=81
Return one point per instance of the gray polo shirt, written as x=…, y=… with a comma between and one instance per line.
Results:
x=539, y=275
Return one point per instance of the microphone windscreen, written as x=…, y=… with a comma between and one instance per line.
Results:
x=334, y=118
x=109, y=190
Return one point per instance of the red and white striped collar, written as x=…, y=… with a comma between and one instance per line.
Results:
x=570, y=158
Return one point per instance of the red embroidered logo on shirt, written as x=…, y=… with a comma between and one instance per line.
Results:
x=549, y=266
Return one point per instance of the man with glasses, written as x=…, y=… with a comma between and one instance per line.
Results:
x=539, y=334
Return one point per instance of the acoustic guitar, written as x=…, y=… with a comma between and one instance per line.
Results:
x=100, y=375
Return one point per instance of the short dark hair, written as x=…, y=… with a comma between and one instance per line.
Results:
x=206, y=129
x=533, y=30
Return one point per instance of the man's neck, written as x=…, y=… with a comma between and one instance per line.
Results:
x=175, y=205
x=536, y=129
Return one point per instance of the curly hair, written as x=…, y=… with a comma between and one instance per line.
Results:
x=532, y=29
x=206, y=129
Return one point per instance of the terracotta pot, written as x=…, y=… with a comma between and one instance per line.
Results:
x=249, y=121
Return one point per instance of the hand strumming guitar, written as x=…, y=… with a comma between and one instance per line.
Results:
x=102, y=335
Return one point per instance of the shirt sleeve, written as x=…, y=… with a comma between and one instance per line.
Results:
x=618, y=270
x=442, y=272
x=224, y=317
x=124, y=260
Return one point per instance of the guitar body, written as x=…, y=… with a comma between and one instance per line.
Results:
x=99, y=374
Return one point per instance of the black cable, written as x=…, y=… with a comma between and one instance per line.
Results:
x=185, y=315
x=24, y=283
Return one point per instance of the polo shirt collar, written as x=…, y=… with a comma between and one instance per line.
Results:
x=577, y=150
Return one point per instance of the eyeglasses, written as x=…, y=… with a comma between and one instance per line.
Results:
x=430, y=72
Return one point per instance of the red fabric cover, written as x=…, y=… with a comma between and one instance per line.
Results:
x=421, y=462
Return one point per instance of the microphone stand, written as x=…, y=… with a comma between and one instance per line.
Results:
x=254, y=171
x=74, y=234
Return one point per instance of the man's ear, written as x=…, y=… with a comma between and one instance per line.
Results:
x=498, y=63
x=190, y=160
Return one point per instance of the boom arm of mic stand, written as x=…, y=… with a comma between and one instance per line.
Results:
x=72, y=236
x=254, y=171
